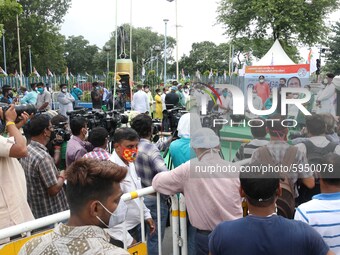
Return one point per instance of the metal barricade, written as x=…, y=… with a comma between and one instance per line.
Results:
x=26, y=228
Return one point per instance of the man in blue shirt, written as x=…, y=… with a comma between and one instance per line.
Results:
x=7, y=94
x=31, y=97
x=263, y=231
x=76, y=93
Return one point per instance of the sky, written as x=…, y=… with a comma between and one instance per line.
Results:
x=95, y=20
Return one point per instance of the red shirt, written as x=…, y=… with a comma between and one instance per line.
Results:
x=262, y=90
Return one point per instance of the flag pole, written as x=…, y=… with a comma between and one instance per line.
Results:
x=116, y=57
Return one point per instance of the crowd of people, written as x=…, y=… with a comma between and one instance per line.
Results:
x=43, y=173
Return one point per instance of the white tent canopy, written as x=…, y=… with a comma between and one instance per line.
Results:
x=275, y=56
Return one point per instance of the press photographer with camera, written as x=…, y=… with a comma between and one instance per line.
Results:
x=13, y=198
x=45, y=183
x=77, y=147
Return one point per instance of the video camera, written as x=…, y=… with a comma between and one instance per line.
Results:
x=61, y=131
x=110, y=120
x=29, y=108
x=172, y=116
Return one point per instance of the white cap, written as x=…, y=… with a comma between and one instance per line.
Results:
x=204, y=138
x=185, y=122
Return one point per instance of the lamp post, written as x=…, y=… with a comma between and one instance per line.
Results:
x=177, y=69
x=107, y=49
x=157, y=50
x=4, y=50
x=19, y=50
x=165, y=46
x=30, y=57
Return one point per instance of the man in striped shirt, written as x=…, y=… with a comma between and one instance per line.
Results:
x=323, y=211
x=99, y=138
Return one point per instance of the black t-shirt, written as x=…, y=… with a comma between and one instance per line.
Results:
x=96, y=103
x=171, y=100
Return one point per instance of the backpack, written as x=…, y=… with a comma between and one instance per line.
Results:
x=286, y=202
x=314, y=154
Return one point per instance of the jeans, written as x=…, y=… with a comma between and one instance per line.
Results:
x=191, y=238
x=136, y=233
x=202, y=243
x=151, y=203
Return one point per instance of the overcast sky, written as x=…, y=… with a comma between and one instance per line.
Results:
x=95, y=20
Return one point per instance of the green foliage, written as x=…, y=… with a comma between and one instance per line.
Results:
x=333, y=63
x=79, y=54
x=289, y=20
x=8, y=10
x=38, y=25
x=152, y=80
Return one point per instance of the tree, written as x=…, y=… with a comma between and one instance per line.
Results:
x=333, y=63
x=8, y=9
x=145, y=44
x=38, y=28
x=79, y=54
x=287, y=20
x=204, y=56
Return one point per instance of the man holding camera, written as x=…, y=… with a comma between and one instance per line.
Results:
x=45, y=183
x=14, y=208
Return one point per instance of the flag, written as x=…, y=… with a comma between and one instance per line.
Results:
x=188, y=76
x=87, y=74
x=311, y=60
x=49, y=73
x=36, y=72
x=104, y=75
x=236, y=69
x=198, y=74
x=225, y=75
x=183, y=75
x=16, y=73
x=3, y=71
x=71, y=75
x=211, y=74
x=143, y=71
x=67, y=77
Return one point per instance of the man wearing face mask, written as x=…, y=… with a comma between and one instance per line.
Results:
x=65, y=100
x=227, y=104
x=44, y=99
x=77, y=146
x=7, y=95
x=45, y=184
x=326, y=99
x=262, y=89
x=211, y=197
x=94, y=196
x=76, y=93
x=30, y=97
x=126, y=147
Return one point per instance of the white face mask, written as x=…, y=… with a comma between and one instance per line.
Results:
x=325, y=81
x=261, y=81
x=118, y=216
x=87, y=134
x=64, y=90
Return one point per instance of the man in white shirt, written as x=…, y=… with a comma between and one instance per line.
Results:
x=65, y=100
x=323, y=211
x=165, y=91
x=227, y=104
x=125, y=153
x=326, y=99
x=140, y=102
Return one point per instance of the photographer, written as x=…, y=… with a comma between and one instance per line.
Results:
x=7, y=95
x=45, y=183
x=77, y=146
x=57, y=147
x=14, y=207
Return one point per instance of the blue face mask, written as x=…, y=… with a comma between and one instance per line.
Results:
x=225, y=94
x=41, y=90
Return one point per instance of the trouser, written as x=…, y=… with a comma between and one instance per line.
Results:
x=202, y=242
x=191, y=238
x=151, y=203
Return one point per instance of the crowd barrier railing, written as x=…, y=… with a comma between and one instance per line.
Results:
x=178, y=225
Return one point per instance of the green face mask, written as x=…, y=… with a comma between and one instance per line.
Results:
x=41, y=90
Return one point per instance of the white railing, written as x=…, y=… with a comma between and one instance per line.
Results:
x=178, y=216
